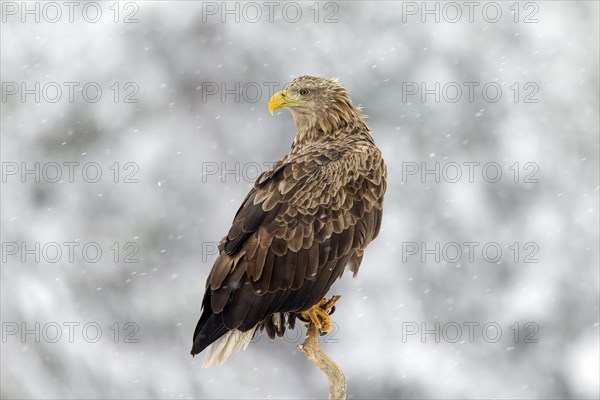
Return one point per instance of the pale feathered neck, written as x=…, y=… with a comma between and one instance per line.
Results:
x=326, y=124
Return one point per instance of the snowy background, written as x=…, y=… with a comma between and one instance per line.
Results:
x=177, y=159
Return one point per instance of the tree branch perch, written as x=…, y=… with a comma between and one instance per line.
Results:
x=312, y=349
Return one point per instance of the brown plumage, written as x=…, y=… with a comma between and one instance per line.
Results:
x=306, y=219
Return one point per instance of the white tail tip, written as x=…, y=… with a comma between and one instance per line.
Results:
x=229, y=343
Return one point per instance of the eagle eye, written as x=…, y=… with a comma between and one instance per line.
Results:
x=303, y=92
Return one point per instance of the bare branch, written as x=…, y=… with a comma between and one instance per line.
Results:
x=314, y=352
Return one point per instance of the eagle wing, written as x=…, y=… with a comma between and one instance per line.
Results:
x=304, y=221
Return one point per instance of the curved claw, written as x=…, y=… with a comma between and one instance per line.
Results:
x=318, y=315
x=301, y=318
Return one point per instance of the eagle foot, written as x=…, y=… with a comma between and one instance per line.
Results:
x=318, y=315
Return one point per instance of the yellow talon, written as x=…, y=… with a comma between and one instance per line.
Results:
x=318, y=315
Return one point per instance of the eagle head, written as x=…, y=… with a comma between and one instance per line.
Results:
x=316, y=103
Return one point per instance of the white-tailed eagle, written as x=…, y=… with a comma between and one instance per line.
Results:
x=307, y=219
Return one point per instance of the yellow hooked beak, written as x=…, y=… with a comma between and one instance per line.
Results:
x=280, y=100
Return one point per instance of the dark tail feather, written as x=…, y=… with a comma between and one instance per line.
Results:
x=209, y=328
